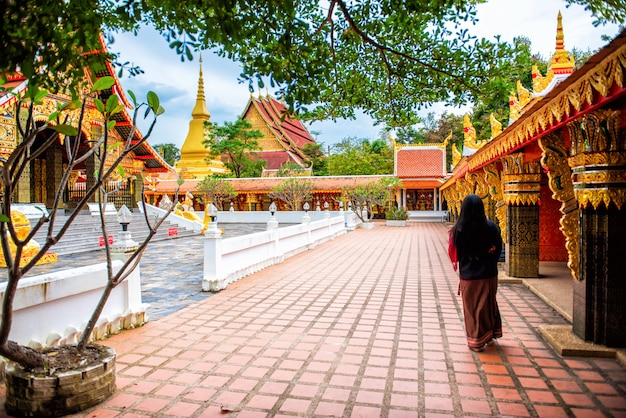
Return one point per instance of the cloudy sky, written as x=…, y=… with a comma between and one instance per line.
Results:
x=176, y=82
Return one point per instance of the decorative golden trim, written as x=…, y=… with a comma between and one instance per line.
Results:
x=521, y=181
x=554, y=163
x=540, y=83
x=495, y=189
x=496, y=126
x=469, y=134
x=598, y=160
x=598, y=79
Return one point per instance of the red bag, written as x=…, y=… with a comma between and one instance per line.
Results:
x=452, y=252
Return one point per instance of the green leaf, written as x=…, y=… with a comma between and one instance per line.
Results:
x=133, y=98
x=160, y=111
x=38, y=95
x=99, y=105
x=103, y=83
x=153, y=101
x=120, y=170
x=111, y=124
x=112, y=103
x=113, y=146
x=4, y=218
x=118, y=109
x=180, y=181
x=65, y=129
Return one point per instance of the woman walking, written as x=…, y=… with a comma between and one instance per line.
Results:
x=475, y=243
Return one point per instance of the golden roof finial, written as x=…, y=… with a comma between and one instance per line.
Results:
x=496, y=126
x=447, y=140
x=561, y=62
x=523, y=94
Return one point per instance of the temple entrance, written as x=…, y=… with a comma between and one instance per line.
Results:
x=45, y=170
x=420, y=199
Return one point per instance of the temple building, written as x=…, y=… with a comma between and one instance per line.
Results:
x=560, y=166
x=282, y=142
x=40, y=180
x=422, y=169
x=284, y=137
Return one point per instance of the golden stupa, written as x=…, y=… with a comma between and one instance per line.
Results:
x=195, y=159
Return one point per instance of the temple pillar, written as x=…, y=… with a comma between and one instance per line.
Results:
x=598, y=163
x=137, y=189
x=54, y=173
x=521, y=187
x=90, y=169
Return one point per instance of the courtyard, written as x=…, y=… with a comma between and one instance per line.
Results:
x=366, y=325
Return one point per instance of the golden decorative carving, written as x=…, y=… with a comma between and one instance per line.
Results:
x=469, y=133
x=598, y=158
x=598, y=79
x=495, y=189
x=521, y=180
x=540, y=83
x=456, y=155
x=514, y=107
x=496, y=126
x=523, y=95
x=561, y=62
x=30, y=250
x=554, y=162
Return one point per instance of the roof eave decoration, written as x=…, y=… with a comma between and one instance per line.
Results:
x=597, y=77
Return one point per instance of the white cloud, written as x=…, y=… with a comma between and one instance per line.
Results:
x=176, y=82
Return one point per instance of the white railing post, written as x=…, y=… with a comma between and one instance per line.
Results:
x=213, y=279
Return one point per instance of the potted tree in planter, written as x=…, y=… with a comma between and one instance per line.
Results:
x=396, y=216
x=37, y=383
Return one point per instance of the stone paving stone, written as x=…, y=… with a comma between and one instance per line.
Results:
x=367, y=325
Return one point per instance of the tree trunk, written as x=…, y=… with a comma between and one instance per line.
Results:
x=23, y=355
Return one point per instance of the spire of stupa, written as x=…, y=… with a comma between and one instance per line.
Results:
x=561, y=62
x=194, y=156
x=200, y=111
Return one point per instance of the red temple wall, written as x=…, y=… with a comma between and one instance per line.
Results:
x=551, y=239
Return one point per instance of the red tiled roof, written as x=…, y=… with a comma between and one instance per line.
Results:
x=415, y=162
x=291, y=133
x=422, y=184
x=276, y=159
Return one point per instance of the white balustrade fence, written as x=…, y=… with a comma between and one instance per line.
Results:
x=228, y=260
x=52, y=309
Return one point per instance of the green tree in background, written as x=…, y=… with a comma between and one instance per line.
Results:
x=169, y=152
x=316, y=157
x=215, y=190
x=353, y=156
x=293, y=192
x=236, y=142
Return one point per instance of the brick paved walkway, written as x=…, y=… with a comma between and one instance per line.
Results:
x=367, y=325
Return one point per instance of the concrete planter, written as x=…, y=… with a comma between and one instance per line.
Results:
x=389, y=222
x=367, y=225
x=63, y=393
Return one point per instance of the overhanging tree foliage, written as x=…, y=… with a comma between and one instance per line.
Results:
x=385, y=57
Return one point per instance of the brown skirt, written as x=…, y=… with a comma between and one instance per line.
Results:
x=480, y=309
